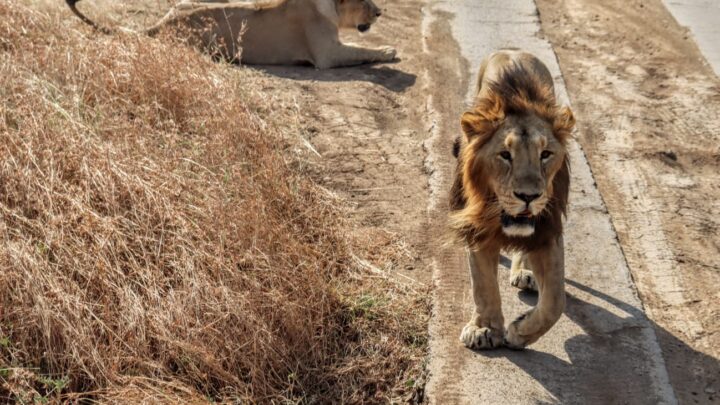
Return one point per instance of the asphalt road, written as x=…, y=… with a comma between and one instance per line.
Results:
x=702, y=18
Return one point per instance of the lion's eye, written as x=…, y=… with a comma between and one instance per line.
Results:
x=545, y=154
x=506, y=155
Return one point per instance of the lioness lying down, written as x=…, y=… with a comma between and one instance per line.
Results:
x=510, y=192
x=282, y=32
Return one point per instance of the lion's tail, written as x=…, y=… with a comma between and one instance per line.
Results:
x=85, y=19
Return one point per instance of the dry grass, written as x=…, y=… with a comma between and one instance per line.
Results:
x=160, y=244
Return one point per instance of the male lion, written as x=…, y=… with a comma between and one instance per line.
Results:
x=510, y=192
x=281, y=32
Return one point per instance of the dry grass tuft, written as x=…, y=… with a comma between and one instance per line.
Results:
x=158, y=243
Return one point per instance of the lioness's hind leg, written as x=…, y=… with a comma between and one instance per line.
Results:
x=520, y=276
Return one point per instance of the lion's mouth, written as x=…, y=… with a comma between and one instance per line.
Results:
x=518, y=225
x=522, y=219
x=363, y=27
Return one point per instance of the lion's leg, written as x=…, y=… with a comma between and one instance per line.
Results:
x=548, y=268
x=520, y=275
x=485, y=329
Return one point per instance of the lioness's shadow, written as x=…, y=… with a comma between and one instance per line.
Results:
x=607, y=364
x=392, y=79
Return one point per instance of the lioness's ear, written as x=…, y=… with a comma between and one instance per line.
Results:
x=565, y=119
x=471, y=124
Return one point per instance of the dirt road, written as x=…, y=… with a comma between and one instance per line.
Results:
x=645, y=109
x=569, y=364
x=648, y=109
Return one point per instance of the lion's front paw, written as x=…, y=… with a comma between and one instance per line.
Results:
x=513, y=339
x=386, y=54
x=475, y=337
x=524, y=280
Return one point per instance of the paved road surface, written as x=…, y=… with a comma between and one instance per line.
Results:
x=604, y=349
x=702, y=17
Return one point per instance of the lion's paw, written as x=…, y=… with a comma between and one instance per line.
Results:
x=475, y=337
x=513, y=339
x=524, y=280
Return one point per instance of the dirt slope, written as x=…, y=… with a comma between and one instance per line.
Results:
x=648, y=107
x=365, y=131
x=161, y=240
x=369, y=131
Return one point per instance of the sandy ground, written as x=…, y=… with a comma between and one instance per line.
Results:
x=648, y=107
x=377, y=134
x=366, y=129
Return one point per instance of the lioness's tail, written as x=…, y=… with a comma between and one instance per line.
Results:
x=71, y=4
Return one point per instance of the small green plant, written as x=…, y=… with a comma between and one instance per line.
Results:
x=367, y=306
x=41, y=399
x=4, y=342
x=53, y=387
x=41, y=248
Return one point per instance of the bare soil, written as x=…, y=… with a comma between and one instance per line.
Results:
x=382, y=138
x=365, y=130
x=647, y=108
x=374, y=131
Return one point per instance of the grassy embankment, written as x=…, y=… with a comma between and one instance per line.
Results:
x=160, y=240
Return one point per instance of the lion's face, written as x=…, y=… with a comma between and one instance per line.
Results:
x=357, y=14
x=518, y=164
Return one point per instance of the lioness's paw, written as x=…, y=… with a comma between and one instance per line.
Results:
x=475, y=337
x=387, y=54
x=524, y=280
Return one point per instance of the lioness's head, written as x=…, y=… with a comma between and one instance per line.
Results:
x=515, y=147
x=357, y=14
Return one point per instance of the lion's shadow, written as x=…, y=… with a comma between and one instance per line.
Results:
x=594, y=373
x=392, y=79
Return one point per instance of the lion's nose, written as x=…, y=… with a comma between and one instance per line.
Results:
x=528, y=198
x=378, y=13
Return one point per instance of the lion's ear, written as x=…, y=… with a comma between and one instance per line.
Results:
x=472, y=124
x=484, y=118
x=565, y=119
